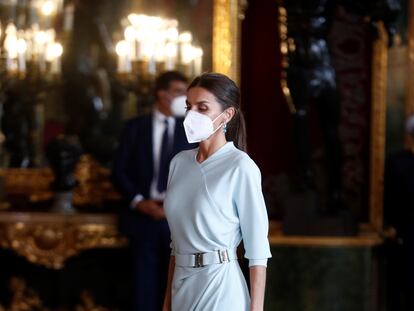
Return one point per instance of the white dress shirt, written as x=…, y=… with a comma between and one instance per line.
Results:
x=158, y=127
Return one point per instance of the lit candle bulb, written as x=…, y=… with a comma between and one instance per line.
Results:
x=21, y=48
x=53, y=54
x=185, y=39
x=198, y=60
x=47, y=8
x=172, y=34
x=123, y=50
x=41, y=40
x=130, y=35
x=68, y=18
x=10, y=45
x=170, y=55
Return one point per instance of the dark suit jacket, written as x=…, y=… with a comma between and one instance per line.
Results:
x=134, y=165
x=399, y=213
x=399, y=193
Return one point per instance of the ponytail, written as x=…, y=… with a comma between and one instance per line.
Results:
x=236, y=131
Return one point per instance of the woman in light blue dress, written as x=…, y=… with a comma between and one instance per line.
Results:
x=214, y=200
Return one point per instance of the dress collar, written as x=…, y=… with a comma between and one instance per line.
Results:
x=223, y=149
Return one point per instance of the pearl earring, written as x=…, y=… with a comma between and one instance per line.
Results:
x=225, y=128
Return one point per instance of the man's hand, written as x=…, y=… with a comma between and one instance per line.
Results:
x=151, y=208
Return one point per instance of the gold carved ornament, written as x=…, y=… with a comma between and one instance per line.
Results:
x=286, y=45
x=378, y=123
x=227, y=16
x=94, y=185
x=51, y=241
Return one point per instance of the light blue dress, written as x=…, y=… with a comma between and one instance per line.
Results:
x=213, y=206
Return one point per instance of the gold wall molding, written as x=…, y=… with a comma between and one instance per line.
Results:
x=286, y=45
x=227, y=16
x=49, y=239
x=325, y=242
x=365, y=238
x=34, y=183
x=378, y=123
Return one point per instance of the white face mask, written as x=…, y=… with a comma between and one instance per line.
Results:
x=199, y=127
x=178, y=106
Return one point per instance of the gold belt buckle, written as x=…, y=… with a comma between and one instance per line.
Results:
x=223, y=256
x=198, y=260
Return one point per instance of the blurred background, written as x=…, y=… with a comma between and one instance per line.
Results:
x=326, y=93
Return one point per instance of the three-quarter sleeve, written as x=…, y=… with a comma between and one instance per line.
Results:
x=171, y=171
x=251, y=209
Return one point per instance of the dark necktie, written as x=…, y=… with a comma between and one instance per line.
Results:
x=164, y=157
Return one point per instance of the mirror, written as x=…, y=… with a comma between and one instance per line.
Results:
x=358, y=56
x=78, y=88
x=88, y=96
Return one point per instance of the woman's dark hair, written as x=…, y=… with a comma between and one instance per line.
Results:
x=228, y=95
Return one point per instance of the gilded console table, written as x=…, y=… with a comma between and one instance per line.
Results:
x=50, y=238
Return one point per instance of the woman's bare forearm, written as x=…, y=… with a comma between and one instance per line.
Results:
x=167, y=298
x=257, y=287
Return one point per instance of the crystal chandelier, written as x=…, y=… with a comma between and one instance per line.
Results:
x=153, y=44
x=31, y=49
x=29, y=45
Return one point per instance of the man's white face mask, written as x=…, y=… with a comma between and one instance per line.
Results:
x=178, y=106
x=199, y=127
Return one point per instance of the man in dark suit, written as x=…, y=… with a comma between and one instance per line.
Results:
x=140, y=173
x=399, y=223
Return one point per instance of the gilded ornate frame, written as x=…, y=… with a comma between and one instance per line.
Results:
x=378, y=124
x=227, y=16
